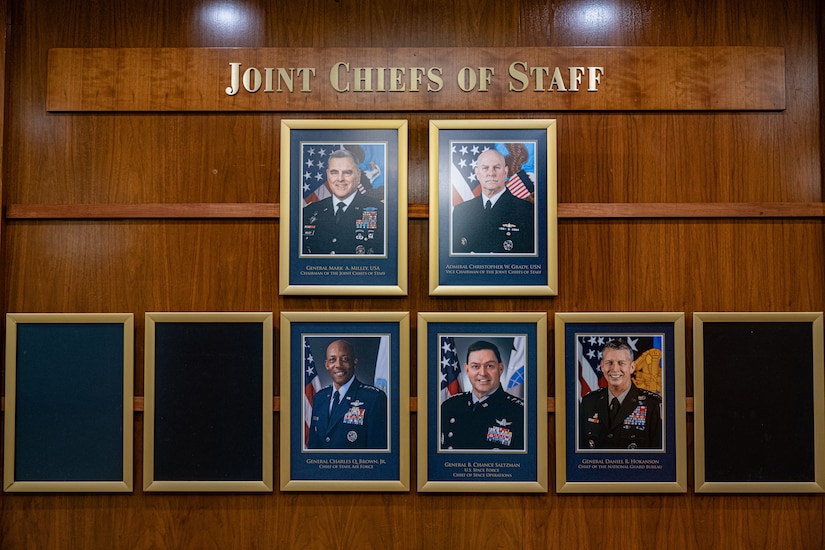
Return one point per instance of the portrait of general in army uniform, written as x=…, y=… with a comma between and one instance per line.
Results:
x=620, y=393
x=482, y=394
x=493, y=198
x=343, y=197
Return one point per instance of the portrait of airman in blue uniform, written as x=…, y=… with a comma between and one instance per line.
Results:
x=347, y=414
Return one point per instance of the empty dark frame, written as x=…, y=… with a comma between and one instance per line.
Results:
x=208, y=407
x=759, y=402
x=69, y=402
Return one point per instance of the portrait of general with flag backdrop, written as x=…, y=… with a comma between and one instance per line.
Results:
x=493, y=211
x=635, y=422
x=493, y=192
x=355, y=418
x=620, y=402
x=343, y=210
x=344, y=401
x=482, y=403
x=342, y=189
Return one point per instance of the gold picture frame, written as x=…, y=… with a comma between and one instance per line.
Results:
x=745, y=366
x=60, y=361
x=648, y=452
x=321, y=253
x=365, y=447
x=512, y=248
x=208, y=403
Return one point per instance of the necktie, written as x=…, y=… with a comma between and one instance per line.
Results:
x=614, y=409
x=336, y=398
x=487, y=206
x=340, y=211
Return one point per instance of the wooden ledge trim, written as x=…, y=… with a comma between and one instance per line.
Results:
x=415, y=211
x=139, y=404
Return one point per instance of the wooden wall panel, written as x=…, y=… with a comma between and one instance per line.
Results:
x=612, y=264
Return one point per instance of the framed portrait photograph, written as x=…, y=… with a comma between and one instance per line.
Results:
x=482, y=402
x=69, y=412
x=493, y=219
x=343, y=216
x=758, y=402
x=208, y=402
x=620, y=403
x=345, y=401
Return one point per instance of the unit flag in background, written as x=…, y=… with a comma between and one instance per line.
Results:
x=371, y=157
x=521, y=170
x=647, y=351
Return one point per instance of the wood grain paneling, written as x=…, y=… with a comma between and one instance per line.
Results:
x=427, y=79
x=660, y=211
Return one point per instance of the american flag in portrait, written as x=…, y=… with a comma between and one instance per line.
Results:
x=314, y=160
x=647, y=353
x=450, y=369
x=521, y=171
x=312, y=385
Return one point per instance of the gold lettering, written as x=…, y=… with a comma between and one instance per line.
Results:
x=519, y=75
x=397, y=79
x=334, y=74
x=234, y=79
x=252, y=80
x=416, y=74
x=540, y=73
x=485, y=75
x=363, y=79
x=594, y=78
x=466, y=79
x=557, y=81
x=304, y=73
x=575, y=78
x=434, y=75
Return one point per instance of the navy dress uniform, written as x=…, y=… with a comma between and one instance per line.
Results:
x=359, y=421
x=507, y=227
x=637, y=424
x=495, y=423
x=357, y=230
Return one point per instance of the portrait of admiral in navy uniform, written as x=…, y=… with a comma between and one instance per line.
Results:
x=348, y=413
x=343, y=194
x=485, y=417
x=497, y=214
x=625, y=411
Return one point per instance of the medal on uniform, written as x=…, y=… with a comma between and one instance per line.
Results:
x=355, y=415
x=500, y=434
x=637, y=419
x=352, y=436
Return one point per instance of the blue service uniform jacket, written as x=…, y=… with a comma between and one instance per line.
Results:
x=360, y=230
x=638, y=424
x=495, y=423
x=358, y=422
x=508, y=227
